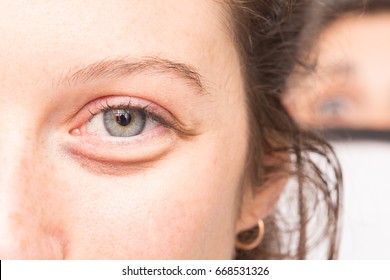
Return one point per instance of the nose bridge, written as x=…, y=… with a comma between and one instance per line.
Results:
x=23, y=197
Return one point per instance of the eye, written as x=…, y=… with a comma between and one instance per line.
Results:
x=121, y=129
x=335, y=107
x=123, y=117
x=121, y=121
x=124, y=122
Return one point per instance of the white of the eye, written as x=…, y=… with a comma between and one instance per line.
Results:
x=96, y=125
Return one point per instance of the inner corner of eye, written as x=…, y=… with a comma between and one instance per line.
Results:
x=75, y=132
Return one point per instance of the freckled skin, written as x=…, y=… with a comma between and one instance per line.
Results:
x=182, y=205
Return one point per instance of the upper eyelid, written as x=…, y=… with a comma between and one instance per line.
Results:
x=117, y=106
x=149, y=113
x=337, y=92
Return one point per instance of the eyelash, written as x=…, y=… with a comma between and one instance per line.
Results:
x=149, y=113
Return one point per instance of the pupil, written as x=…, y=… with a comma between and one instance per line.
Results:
x=123, y=118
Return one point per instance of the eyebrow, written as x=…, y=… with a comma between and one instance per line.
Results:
x=337, y=69
x=334, y=69
x=119, y=68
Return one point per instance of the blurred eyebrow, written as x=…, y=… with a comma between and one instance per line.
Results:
x=342, y=68
x=337, y=69
x=119, y=68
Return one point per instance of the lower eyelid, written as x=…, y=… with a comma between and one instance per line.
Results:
x=152, y=133
x=116, y=150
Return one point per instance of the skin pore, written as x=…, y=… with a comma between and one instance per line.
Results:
x=349, y=87
x=71, y=190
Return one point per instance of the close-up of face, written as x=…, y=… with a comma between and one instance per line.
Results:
x=124, y=131
x=349, y=87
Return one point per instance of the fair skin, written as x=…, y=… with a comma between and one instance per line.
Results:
x=70, y=189
x=350, y=85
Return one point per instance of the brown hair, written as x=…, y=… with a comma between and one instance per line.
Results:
x=265, y=32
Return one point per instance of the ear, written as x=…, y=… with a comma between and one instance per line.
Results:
x=259, y=202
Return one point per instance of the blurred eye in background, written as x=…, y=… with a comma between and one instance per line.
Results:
x=327, y=110
x=334, y=107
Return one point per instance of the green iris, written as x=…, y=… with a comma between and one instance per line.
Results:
x=124, y=122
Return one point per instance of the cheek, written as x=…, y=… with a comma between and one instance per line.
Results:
x=184, y=207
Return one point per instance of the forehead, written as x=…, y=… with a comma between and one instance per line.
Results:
x=355, y=41
x=52, y=36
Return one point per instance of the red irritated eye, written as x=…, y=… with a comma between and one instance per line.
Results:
x=122, y=130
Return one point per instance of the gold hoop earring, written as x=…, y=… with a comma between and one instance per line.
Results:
x=253, y=244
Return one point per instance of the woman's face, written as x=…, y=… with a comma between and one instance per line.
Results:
x=350, y=85
x=123, y=130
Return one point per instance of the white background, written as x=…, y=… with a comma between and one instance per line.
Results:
x=366, y=219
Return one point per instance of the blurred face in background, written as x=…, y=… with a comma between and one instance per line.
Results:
x=348, y=88
x=349, y=85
